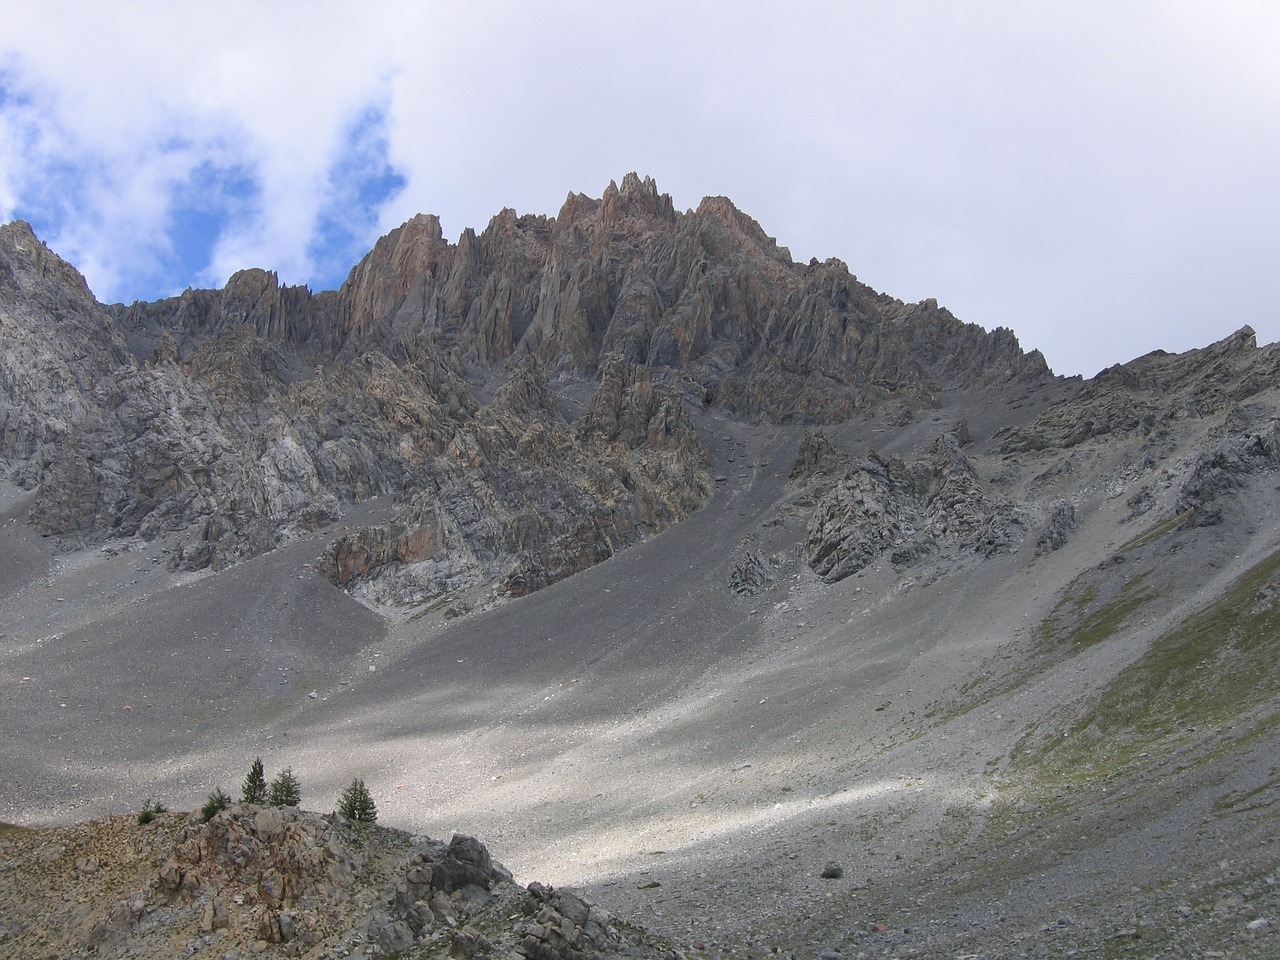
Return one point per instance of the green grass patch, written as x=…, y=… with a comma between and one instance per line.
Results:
x=1241, y=801
x=1071, y=605
x=1067, y=630
x=1069, y=621
x=1102, y=623
x=1219, y=667
x=1155, y=532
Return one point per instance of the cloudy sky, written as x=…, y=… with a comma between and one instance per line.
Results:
x=1103, y=177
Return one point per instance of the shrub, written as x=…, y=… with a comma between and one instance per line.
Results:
x=218, y=800
x=357, y=804
x=285, y=791
x=832, y=871
x=255, y=785
x=150, y=810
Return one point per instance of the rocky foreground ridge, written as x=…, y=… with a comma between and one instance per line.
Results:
x=267, y=881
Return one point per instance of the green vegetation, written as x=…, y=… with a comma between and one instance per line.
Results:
x=832, y=871
x=255, y=784
x=1103, y=622
x=1242, y=801
x=357, y=804
x=218, y=801
x=286, y=791
x=150, y=810
x=1093, y=608
x=1155, y=532
x=1220, y=667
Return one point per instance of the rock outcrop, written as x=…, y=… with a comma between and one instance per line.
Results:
x=282, y=882
x=1224, y=468
x=934, y=507
x=218, y=430
x=753, y=572
x=816, y=457
x=522, y=497
x=1140, y=397
x=703, y=295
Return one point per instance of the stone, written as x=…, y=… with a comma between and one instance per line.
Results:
x=1058, y=527
x=816, y=457
x=752, y=573
x=931, y=508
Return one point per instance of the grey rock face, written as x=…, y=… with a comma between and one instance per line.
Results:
x=1058, y=528
x=239, y=419
x=752, y=573
x=705, y=294
x=934, y=506
x=1217, y=472
x=291, y=882
x=523, y=497
x=1140, y=397
x=817, y=456
x=223, y=431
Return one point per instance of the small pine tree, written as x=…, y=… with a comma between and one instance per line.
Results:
x=255, y=785
x=357, y=804
x=150, y=810
x=217, y=802
x=286, y=791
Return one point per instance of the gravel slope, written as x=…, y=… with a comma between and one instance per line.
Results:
x=687, y=756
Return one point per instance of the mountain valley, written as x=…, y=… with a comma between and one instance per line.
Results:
x=764, y=611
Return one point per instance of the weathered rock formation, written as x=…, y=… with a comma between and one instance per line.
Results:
x=522, y=497
x=231, y=439
x=282, y=882
x=238, y=419
x=753, y=572
x=931, y=507
x=705, y=295
x=1141, y=397
x=817, y=457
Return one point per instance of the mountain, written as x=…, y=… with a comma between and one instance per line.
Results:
x=242, y=417
x=763, y=609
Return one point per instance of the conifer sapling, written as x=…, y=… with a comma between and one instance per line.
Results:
x=357, y=804
x=255, y=785
x=285, y=791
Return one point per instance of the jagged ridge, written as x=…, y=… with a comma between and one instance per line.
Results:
x=242, y=418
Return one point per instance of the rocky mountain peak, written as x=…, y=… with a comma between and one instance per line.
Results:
x=706, y=294
x=635, y=198
x=25, y=262
x=290, y=403
x=921, y=616
x=380, y=282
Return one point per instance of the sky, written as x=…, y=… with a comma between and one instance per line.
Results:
x=1101, y=177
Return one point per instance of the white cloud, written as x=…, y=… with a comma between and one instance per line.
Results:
x=136, y=98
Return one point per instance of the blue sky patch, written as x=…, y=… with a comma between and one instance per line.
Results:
x=361, y=181
x=212, y=198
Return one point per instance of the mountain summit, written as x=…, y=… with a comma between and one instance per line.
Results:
x=240, y=418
